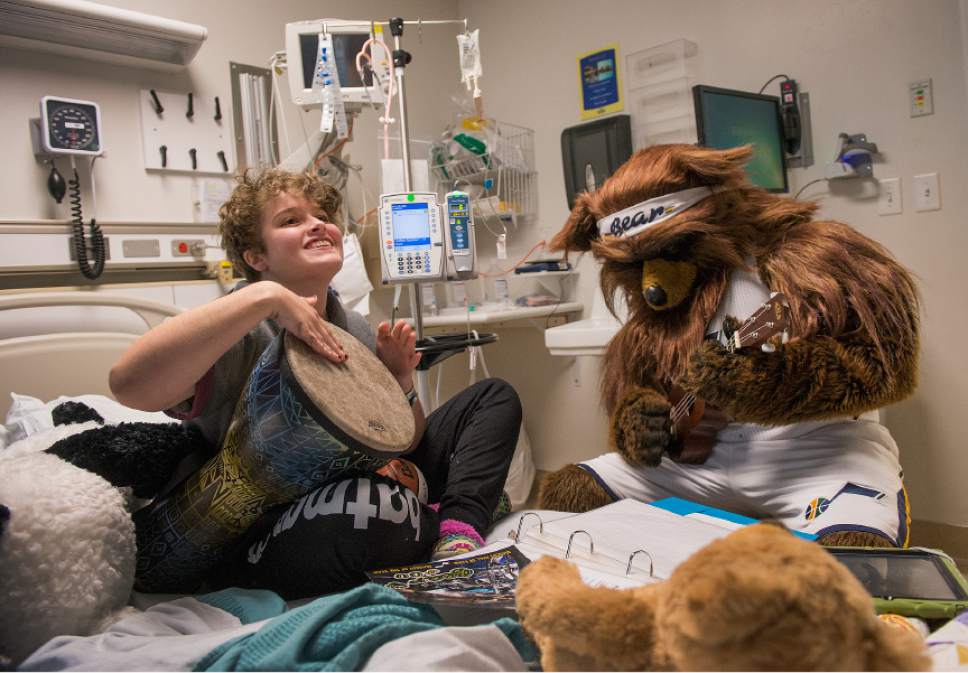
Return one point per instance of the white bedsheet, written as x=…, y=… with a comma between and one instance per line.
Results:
x=174, y=635
x=169, y=636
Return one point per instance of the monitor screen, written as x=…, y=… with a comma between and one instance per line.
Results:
x=411, y=226
x=345, y=47
x=727, y=118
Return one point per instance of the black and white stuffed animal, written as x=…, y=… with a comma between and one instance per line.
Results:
x=67, y=540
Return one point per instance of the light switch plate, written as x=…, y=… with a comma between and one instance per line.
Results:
x=922, y=99
x=927, y=192
x=889, y=198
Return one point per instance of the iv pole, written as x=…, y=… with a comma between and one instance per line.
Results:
x=400, y=60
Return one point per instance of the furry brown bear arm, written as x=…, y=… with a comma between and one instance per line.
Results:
x=809, y=379
x=581, y=628
x=638, y=407
x=855, y=309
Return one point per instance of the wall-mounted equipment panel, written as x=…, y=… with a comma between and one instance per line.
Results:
x=186, y=132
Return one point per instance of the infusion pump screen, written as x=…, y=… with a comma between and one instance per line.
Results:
x=411, y=226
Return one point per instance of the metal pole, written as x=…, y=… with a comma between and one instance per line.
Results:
x=400, y=60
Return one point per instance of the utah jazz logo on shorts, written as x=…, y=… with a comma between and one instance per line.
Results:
x=816, y=507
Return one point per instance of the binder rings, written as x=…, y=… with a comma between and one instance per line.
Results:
x=626, y=543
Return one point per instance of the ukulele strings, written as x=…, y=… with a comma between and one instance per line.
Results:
x=684, y=406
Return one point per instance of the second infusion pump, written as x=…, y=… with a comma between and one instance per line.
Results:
x=412, y=237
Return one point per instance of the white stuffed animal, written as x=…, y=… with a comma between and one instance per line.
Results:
x=67, y=540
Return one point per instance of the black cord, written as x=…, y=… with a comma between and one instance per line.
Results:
x=812, y=182
x=80, y=245
x=772, y=79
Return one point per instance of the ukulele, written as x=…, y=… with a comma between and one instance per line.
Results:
x=688, y=411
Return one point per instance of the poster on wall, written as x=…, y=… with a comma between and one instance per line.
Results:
x=598, y=79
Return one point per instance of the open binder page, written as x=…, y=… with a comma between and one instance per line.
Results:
x=593, y=574
x=656, y=540
x=620, y=529
x=534, y=546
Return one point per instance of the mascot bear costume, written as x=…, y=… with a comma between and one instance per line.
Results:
x=791, y=427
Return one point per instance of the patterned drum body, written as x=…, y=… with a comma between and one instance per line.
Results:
x=301, y=422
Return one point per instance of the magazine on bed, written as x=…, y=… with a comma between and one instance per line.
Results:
x=486, y=579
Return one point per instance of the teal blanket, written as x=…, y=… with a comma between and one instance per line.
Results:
x=333, y=633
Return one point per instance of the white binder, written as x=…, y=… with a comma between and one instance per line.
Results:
x=624, y=544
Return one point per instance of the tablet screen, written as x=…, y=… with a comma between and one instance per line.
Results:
x=902, y=574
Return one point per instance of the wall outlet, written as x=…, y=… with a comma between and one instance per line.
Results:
x=889, y=198
x=927, y=192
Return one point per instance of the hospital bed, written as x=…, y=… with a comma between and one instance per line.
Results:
x=46, y=358
x=47, y=365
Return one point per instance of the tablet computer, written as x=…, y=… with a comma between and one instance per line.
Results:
x=915, y=582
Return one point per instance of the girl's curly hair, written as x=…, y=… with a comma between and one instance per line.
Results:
x=240, y=218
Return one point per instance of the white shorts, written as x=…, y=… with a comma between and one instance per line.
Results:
x=819, y=477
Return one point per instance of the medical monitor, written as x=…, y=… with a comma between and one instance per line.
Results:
x=727, y=118
x=411, y=226
x=302, y=51
x=412, y=240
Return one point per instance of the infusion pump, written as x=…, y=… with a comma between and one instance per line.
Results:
x=411, y=237
x=419, y=244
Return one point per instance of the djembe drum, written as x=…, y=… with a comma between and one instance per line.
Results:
x=301, y=421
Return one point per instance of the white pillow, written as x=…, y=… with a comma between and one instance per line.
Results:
x=29, y=415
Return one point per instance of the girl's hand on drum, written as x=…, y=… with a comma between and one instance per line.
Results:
x=397, y=348
x=297, y=315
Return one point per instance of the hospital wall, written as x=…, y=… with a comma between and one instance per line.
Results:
x=243, y=31
x=856, y=58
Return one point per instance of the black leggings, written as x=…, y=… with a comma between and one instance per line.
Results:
x=324, y=541
x=466, y=451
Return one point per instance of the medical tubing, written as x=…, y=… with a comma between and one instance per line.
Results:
x=77, y=224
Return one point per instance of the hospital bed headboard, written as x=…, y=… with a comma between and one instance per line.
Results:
x=49, y=365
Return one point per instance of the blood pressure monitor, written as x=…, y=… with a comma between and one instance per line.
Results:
x=412, y=237
x=69, y=126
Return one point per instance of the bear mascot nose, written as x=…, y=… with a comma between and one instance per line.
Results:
x=656, y=296
x=666, y=283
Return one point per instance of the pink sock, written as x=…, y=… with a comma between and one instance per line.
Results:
x=451, y=526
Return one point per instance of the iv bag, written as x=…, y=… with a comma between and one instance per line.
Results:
x=470, y=56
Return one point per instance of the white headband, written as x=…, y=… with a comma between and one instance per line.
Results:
x=641, y=216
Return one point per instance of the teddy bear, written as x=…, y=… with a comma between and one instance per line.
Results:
x=758, y=599
x=67, y=538
x=790, y=426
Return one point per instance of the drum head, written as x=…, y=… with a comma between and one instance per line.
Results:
x=359, y=396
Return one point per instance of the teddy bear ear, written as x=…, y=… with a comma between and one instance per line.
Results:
x=580, y=230
x=714, y=166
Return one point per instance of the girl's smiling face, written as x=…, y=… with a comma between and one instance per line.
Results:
x=302, y=249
